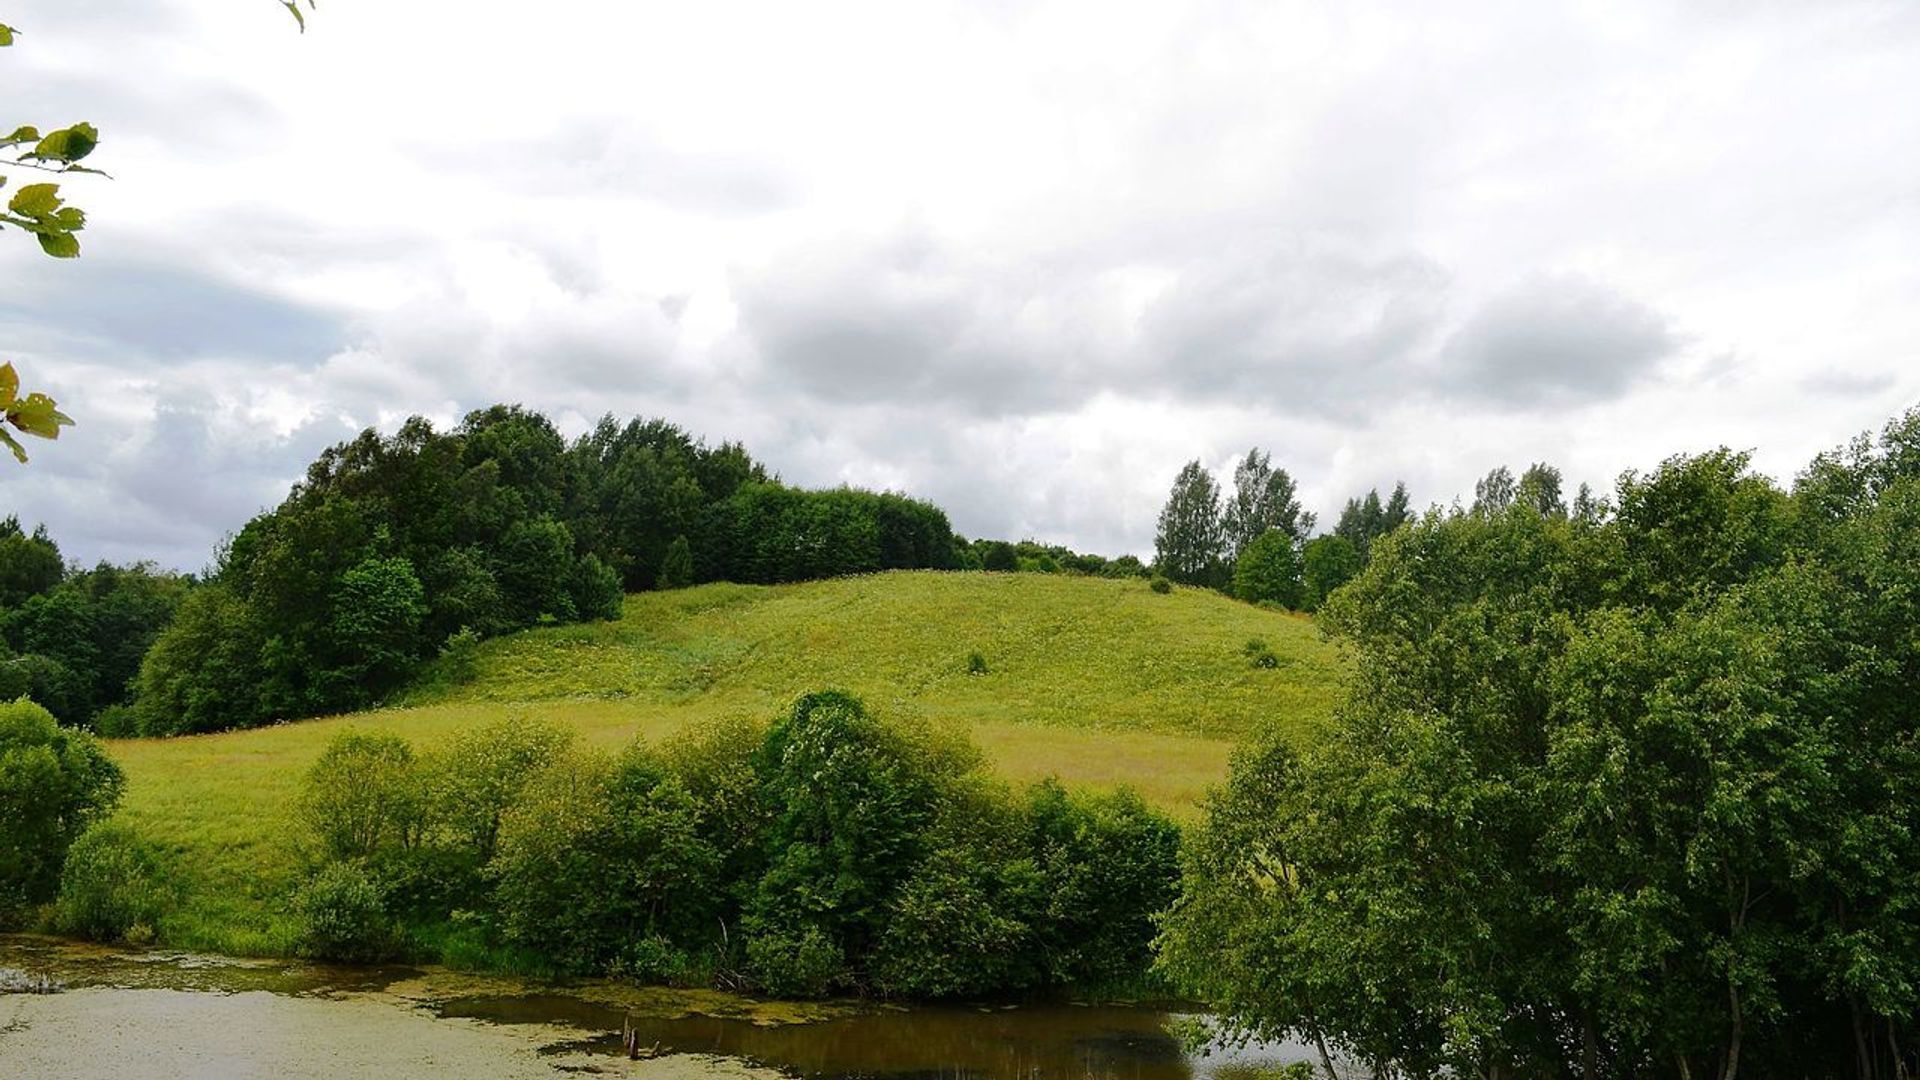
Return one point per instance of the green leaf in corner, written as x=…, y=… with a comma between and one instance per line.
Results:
x=35, y=200
x=60, y=245
x=38, y=415
x=25, y=133
x=19, y=452
x=9, y=386
x=293, y=6
x=67, y=144
x=6, y=35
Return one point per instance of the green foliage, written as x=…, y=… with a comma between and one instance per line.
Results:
x=1610, y=797
x=203, y=671
x=394, y=544
x=1268, y=571
x=676, y=570
x=111, y=888
x=999, y=557
x=29, y=563
x=94, y=626
x=364, y=797
x=1259, y=654
x=765, y=533
x=1264, y=499
x=480, y=775
x=342, y=916
x=1364, y=520
x=795, y=962
x=1108, y=866
x=1326, y=563
x=976, y=663
x=54, y=782
x=1190, y=545
x=375, y=629
x=598, y=854
x=1160, y=585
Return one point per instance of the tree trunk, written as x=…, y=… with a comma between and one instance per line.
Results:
x=1589, y=1048
x=1686, y=1073
x=1862, y=1053
x=1326, y=1059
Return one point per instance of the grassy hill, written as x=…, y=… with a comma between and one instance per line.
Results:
x=1096, y=681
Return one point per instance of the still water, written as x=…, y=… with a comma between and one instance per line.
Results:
x=165, y=1015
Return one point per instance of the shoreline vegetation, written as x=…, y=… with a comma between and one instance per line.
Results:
x=1127, y=669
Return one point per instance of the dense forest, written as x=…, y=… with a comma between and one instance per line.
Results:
x=1626, y=789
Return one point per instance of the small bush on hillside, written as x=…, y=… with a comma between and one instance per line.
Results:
x=676, y=570
x=1160, y=585
x=364, y=796
x=342, y=916
x=459, y=657
x=976, y=664
x=1259, y=654
x=54, y=782
x=111, y=887
x=1000, y=557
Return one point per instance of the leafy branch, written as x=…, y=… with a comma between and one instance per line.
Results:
x=41, y=210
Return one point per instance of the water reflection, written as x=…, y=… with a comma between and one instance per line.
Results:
x=1053, y=1042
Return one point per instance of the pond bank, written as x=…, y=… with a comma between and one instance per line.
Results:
x=165, y=1015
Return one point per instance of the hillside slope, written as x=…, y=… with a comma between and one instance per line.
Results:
x=1067, y=651
x=1096, y=681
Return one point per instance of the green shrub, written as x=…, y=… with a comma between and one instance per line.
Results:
x=473, y=781
x=599, y=853
x=676, y=570
x=1160, y=585
x=714, y=762
x=111, y=888
x=342, y=916
x=976, y=664
x=801, y=962
x=962, y=923
x=1259, y=654
x=1268, y=571
x=1110, y=865
x=365, y=795
x=116, y=722
x=54, y=782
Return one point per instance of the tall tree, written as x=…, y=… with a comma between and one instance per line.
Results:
x=1539, y=490
x=1494, y=492
x=1263, y=498
x=1191, y=544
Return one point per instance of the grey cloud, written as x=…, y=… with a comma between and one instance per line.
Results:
x=1556, y=340
x=1294, y=325
x=1290, y=322
x=912, y=319
x=123, y=309
x=1836, y=383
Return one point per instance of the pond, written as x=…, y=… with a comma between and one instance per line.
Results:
x=152, y=1014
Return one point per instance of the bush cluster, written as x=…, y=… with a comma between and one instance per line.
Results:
x=827, y=852
x=54, y=783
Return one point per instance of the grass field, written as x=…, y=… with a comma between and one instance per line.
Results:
x=1098, y=682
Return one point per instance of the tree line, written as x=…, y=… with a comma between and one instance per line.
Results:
x=395, y=548
x=1258, y=544
x=1621, y=788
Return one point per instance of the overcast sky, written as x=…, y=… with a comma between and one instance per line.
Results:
x=1021, y=259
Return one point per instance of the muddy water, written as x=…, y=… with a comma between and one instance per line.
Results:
x=166, y=1015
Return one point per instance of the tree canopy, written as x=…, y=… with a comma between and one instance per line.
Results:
x=1613, y=795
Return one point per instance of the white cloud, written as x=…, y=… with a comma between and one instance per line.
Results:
x=1022, y=258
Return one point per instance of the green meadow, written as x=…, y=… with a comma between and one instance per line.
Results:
x=1098, y=682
